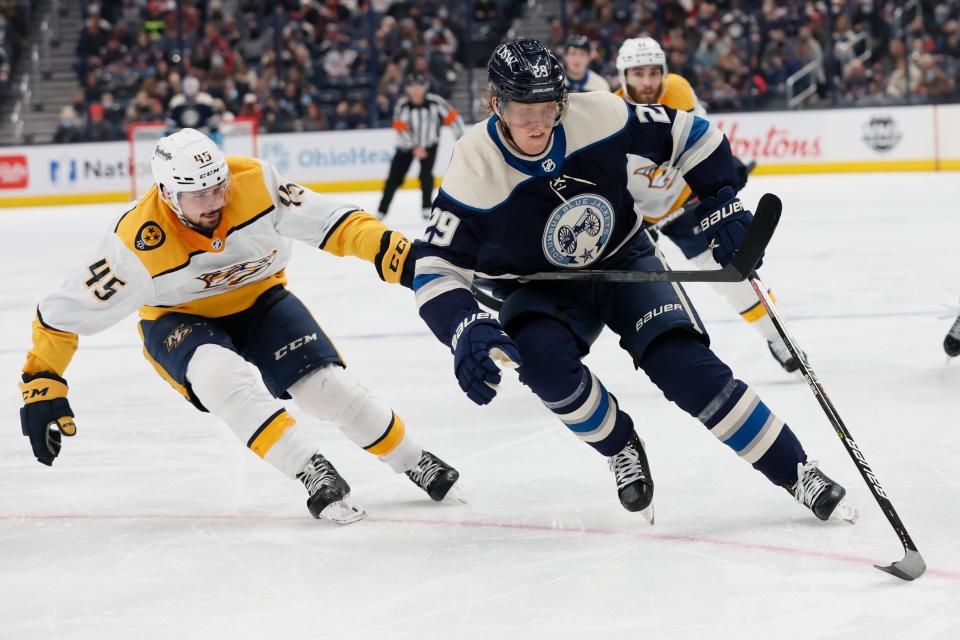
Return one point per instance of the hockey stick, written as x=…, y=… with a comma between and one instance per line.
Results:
x=485, y=298
x=758, y=236
x=912, y=565
x=743, y=263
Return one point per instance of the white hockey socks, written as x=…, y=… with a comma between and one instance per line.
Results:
x=331, y=394
x=230, y=389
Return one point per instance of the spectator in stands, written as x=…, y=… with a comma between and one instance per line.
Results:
x=856, y=79
x=277, y=117
x=93, y=38
x=314, y=119
x=153, y=21
x=250, y=107
x=98, y=128
x=4, y=70
x=342, y=119
x=485, y=10
x=68, y=129
x=706, y=55
x=898, y=81
x=112, y=112
x=195, y=109
x=361, y=116
x=934, y=83
x=950, y=46
x=255, y=43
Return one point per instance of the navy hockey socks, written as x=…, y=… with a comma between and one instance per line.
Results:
x=694, y=378
x=552, y=369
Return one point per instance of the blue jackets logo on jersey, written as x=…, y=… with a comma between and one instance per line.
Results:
x=577, y=231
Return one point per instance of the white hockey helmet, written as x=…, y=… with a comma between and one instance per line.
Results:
x=184, y=162
x=639, y=52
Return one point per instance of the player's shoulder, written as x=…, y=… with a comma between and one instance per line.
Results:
x=243, y=166
x=678, y=94
x=596, y=82
x=252, y=189
x=433, y=97
x=148, y=229
x=477, y=178
x=593, y=116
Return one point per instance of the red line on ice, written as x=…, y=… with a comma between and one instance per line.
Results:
x=477, y=524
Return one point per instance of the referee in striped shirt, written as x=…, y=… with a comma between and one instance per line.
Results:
x=418, y=117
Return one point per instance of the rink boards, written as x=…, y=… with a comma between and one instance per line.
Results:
x=916, y=138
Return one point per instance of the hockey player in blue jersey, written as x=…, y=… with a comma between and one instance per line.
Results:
x=542, y=185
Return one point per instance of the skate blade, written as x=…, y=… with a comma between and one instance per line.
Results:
x=456, y=494
x=343, y=512
x=647, y=514
x=845, y=511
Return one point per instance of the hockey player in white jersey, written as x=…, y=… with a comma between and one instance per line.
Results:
x=661, y=195
x=541, y=185
x=202, y=257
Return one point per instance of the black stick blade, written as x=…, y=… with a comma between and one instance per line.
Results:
x=758, y=235
x=910, y=568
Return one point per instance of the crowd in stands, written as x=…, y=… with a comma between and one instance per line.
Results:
x=13, y=24
x=296, y=65
x=310, y=65
x=738, y=54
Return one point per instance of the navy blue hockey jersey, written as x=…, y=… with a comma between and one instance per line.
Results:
x=500, y=214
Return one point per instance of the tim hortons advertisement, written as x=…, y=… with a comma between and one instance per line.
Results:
x=829, y=137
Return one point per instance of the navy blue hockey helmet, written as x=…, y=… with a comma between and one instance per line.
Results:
x=525, y=71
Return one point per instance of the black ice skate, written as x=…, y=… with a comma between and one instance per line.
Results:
x=634, y=482
x=329, y=492
x=436, y=477
x=820, y=494
x=780, y=353
x=951, y=344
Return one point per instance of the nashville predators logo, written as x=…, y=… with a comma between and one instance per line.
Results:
x=236, y=273
x=175, y=337
x=149, y=237
x=658, y=177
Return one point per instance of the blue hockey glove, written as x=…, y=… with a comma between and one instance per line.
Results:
x=725, y=221
x=477, y=340
x=45, y=414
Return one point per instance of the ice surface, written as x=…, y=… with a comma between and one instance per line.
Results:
x=156, y=522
